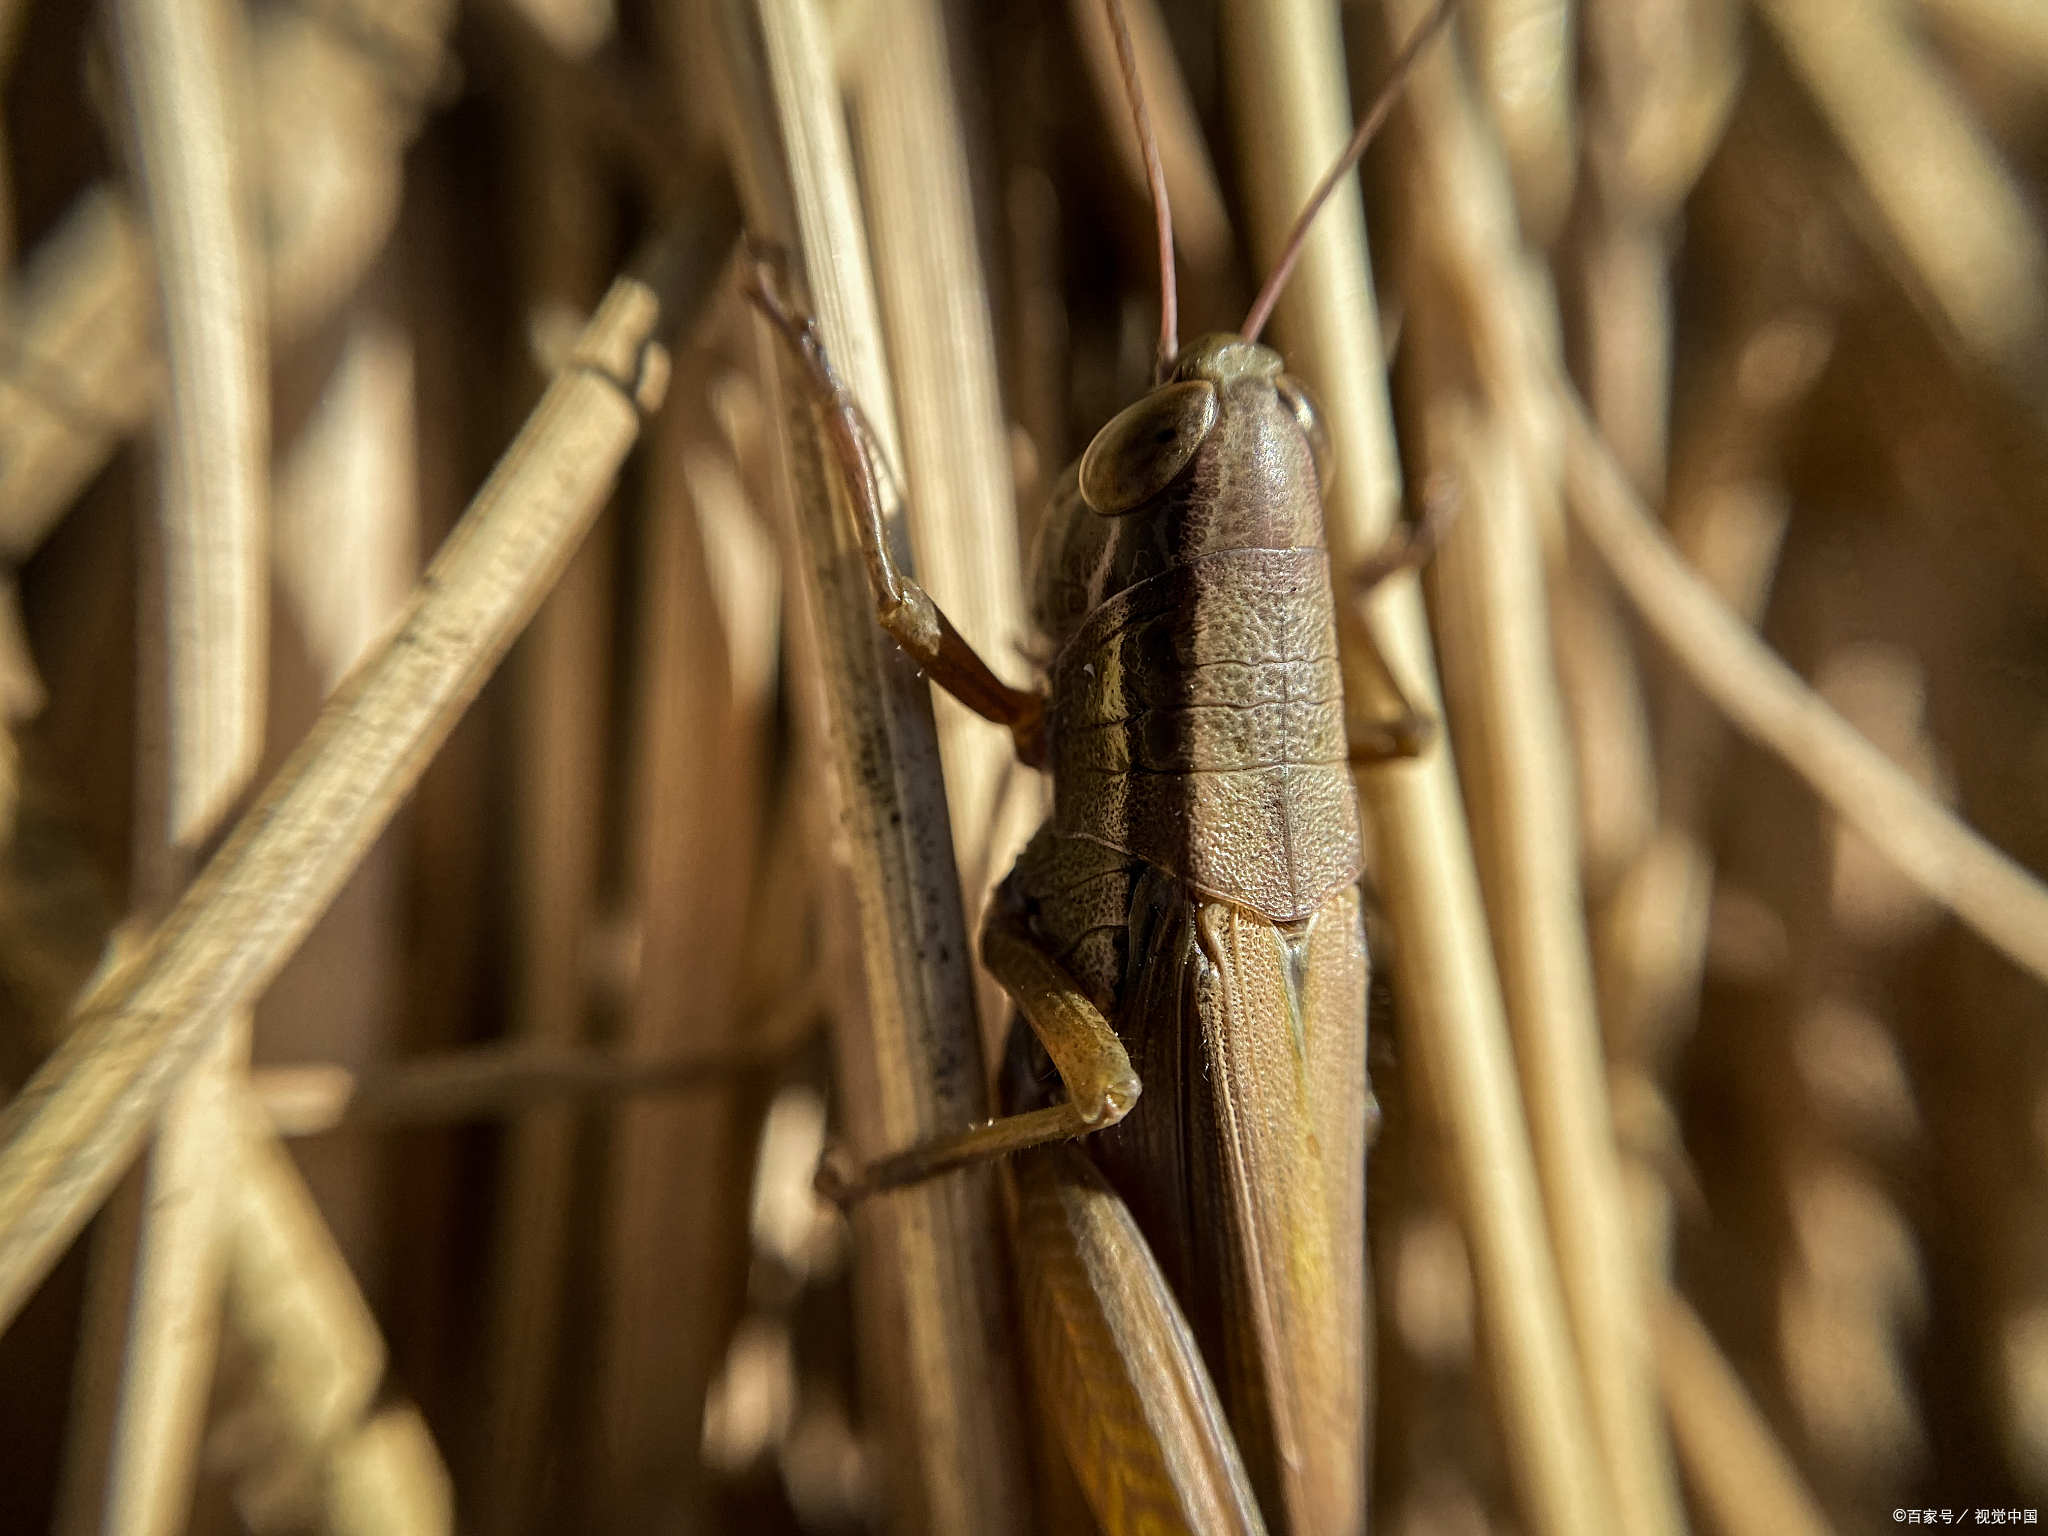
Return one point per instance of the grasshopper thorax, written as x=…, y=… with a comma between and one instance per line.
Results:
x=1228, y=453
x=1183, y=588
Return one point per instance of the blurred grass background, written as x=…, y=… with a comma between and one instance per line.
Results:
x=553, y=1068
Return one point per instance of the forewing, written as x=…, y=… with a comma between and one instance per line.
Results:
x=1282, y=1021
x=1244, y=1165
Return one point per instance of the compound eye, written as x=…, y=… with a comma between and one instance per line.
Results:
x=1138, y=454
x=1309, y=417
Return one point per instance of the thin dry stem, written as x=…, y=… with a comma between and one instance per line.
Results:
x=1739, y=1472
x=1494, y=633
x=675, y=1259
x=926, y=1256
x=489, y=1081
x=66, y=1137
x=1938, y=182
x=2017, y=30
x=1290, y=83
x=183, y=66
x=1524, y=52
x=935, y=311
x=82, y=364
x=1494, y=644
x=1771, y=704
x=317, y=1360
x=346, y=500
x=558, y=828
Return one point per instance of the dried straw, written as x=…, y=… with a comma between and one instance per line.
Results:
x=1494, y=632
x=2015, y=30
x=1945, y=196
x=66, y=1137
x=311, y=1441
x=927, y=1258
x=84, y=360
x=1523, y=50
x=1740, y=1473
x=956, y=460
x=1769, y=702
x=184, y=68
x=563, y=705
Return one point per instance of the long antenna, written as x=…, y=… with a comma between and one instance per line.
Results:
x=1155, y=174
x=1297, y=237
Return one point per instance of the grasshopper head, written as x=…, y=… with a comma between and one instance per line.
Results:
x=1228, y=453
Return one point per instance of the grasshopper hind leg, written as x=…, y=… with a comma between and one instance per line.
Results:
x=1072, y=1030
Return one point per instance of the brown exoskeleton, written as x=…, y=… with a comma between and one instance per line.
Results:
x=1188, y=924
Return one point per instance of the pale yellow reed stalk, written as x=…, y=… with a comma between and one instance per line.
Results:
x=1770, y=703
x=1944, y=193
x=66, y=1137
x=927, y=1256
x=1287, y=72
x=184, y=69
x=1746, y=1484
x=1494, y=635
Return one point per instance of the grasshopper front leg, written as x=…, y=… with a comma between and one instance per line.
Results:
x=1091, y=1060
x=904, y=608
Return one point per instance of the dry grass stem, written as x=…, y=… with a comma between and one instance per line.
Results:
x=82, y=367
x=311, y=1442
x=460, y=1122
x=490, y=1081
x=184, y=69
x=935, y=312
x=2016, y=30
x=1941, y=187
x=66, y=1137
x=560, y=786
x=1523, y=49
x=1737, y=1468
x=345, y=526
x=677, y=1256
x=83, y=364
x=1769, y=702
x=1451, y=1011
x=1494, y=636
x=926, y=1255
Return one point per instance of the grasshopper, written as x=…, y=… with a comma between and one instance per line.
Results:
x=1187, y=926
